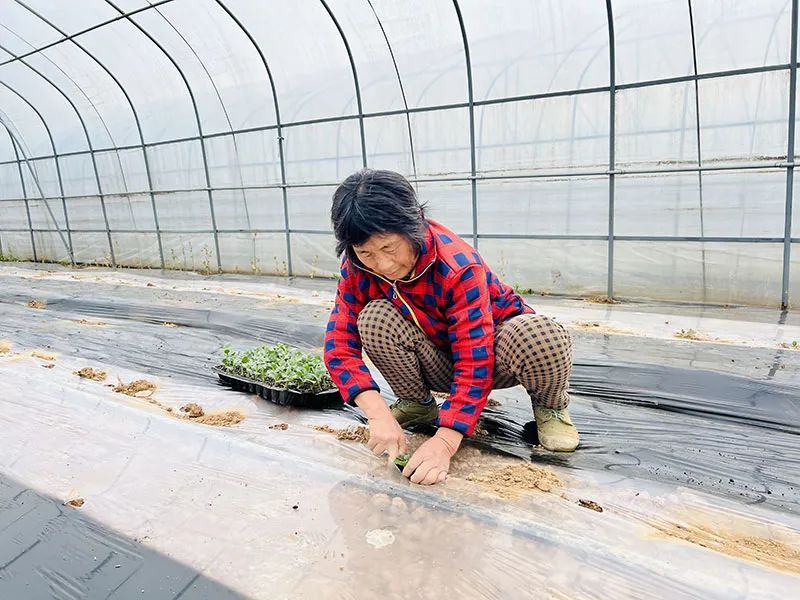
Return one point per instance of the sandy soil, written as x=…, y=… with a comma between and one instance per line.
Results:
x=90, y=373
x=510, y=482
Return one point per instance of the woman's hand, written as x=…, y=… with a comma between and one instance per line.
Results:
x=431, y=462
x=385, y=433
x=386, y=436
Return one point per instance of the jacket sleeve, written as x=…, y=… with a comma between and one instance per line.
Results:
x=343, y=344
x=471, y=334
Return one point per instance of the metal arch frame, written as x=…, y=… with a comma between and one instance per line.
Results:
x=219, y=98
x=790, y=151
x=612, y=137
x=58, y=169
x=359, y=104
x=279, y=132
x=91, y=155
x=24, y=192
x=699, y=151
x=67, y=37
x=471, y=108
x=611, y=172
x=402, y=89
x=133, y=112
x=80, y=90
x=129, y=18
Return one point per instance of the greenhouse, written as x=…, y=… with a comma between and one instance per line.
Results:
x=168, y=170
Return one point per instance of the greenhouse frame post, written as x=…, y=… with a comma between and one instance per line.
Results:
x=157, y=44
x=612, y=90
x=359, y=104
x=699, y=148
x=124, y=92
x=790, y=151
x=471, y=108
x=24, y=192
x=58, y=170
x=91, y=153
x=279, y=132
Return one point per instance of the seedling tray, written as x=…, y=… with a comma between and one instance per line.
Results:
x=284, y=397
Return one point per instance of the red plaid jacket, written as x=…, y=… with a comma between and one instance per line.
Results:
x=454, y=298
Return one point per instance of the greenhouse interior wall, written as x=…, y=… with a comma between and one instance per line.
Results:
x=643, y=149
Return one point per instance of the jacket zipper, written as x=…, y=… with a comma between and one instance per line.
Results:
x=397, y=290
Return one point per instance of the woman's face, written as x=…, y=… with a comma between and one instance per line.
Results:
x=390, y=255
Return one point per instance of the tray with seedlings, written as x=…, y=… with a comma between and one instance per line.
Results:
x=280, y=374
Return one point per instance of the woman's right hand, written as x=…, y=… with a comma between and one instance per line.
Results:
x=385, y=433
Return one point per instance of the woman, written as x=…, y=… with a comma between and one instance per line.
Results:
x=431, y=315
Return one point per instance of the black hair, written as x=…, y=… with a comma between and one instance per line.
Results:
x=376, y=201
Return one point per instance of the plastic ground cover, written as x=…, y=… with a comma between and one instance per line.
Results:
x=689, y=447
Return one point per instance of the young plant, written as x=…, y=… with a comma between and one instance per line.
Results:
x=279, y=366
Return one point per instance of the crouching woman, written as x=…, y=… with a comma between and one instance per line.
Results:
x=432, y=316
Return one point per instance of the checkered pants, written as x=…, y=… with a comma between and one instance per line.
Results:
x=529, y=349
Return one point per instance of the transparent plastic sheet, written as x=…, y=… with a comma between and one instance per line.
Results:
x=211, y=510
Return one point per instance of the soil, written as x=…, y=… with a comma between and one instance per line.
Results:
x=590, y=504
x=218, y=419
x=5, y=347
x=50, y=366
x=357, y=433
x=281, y=426
x=595, y=327
x=90, y=373
x=89, y=322
x=691, y=334
x=37, y=303
x=137, y=389
x=440, y=395
x=192, y=410
x=76, y=502
x=510, y=482
x=768, y=552
x=43, y=355
x=601, y=300
x=492, y=402
x=168, y=324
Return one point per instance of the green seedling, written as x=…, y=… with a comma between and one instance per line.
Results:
x=401, y=461
x=279, y=366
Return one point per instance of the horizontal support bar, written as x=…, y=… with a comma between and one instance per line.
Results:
x=455, y=179
x=487, y=236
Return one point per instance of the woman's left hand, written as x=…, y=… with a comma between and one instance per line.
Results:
x=431, y=462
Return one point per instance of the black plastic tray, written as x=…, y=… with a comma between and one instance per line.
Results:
x=284, y=397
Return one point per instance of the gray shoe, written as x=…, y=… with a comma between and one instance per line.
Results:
x=411, y=412
x=555, y=429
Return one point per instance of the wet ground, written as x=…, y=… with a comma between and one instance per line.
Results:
x=677, y=435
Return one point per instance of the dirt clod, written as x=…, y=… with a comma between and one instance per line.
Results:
x=43, y=355
x=509, y=482
x=218, y=419
x=769, y=552
x=281, y=426
x=601, y=300
x=49, y=366
x=90, y=322
x=90, y=373
x=591, y=505
x=76, y=502
x=491, y=402
x=193, y=410
x=5, y=346
x=134, y=387
x=151, y=285
x=356, y=433
x=168, y=324
x=37, y=303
